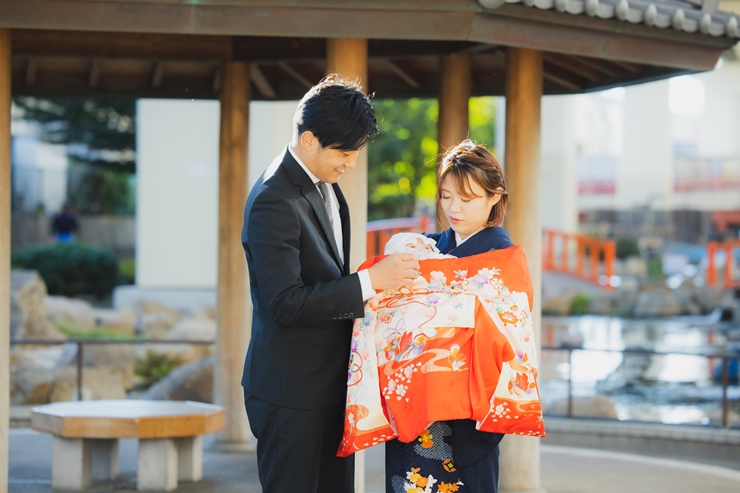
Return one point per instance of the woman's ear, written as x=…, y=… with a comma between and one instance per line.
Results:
x=497, y=196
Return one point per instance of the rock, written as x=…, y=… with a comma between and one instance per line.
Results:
x=157, y=320
x=191, y=382
x=28, y=314
x=118, y=321
x=96, y=383
x=189, y=329
x=42, y=357
x=31, y=385
x=115, y=359
x=598, y=406
x=156, y=325
x=209, y=313
x=636, y=266
x=148, y=307
x=70, y=311
x=657, y=303
x=601, y=305
x=193, y=329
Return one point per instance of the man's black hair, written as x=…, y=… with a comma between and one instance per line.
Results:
x=338, y=113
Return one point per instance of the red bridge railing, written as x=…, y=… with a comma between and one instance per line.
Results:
x=379, y=232
x=581, y=256
x=728, y=274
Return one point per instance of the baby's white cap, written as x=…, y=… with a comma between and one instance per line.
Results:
x=398, y=242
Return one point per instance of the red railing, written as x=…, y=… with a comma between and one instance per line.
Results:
x=579, y=255
x=729, y=249
x=379, y=232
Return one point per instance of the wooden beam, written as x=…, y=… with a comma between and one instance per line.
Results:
x=157, y=75
x=120, y=45
x=216, y=84
x=261, y=82
x=94, y=76
x=629, y=67
x=402, y=74
x=295, y=74
x=31, y=67
x=5, y=193
x=562, y=77
x=573, y=65
x=604, y=66
x=520, y=456
x=234, y=306
x=453, y=123
x=591, y=39
x=348, y=57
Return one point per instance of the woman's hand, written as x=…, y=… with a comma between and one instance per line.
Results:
x=394, y=271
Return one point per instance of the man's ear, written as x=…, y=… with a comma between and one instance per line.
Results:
x=309, y=142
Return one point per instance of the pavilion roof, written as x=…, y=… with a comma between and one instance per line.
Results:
x=174, y=48
x=689, y=16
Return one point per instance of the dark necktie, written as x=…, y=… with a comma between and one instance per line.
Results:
x=324, y=191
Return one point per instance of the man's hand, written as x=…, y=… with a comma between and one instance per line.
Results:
x=394, y=271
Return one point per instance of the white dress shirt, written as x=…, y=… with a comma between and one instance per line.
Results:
x=367, y=288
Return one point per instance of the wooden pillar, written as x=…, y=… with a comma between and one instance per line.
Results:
x=348, y=58
x=454, y=94
x=4, y=253
x=234, y=302
x=520, y=456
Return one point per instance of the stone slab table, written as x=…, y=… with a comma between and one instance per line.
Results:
x=86, y=435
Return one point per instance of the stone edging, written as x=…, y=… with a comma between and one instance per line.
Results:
x=642, y=430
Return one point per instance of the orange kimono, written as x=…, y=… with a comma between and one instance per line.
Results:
x=457, y=344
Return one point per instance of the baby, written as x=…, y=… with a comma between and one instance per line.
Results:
x=416, y=244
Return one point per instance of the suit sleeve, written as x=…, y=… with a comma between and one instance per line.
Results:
x=274, y=245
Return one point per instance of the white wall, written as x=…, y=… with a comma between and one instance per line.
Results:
x=645, y=172
x=177, y=177
x=177, y=196
x=558, y=184
x=270, y=130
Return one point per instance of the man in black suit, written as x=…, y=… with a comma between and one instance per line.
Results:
x=297, y=242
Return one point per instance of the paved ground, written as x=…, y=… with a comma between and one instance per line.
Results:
x=564, y=470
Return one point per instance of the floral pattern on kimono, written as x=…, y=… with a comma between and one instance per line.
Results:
x=457, y=344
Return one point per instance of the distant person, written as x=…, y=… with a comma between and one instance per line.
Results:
x=64, y=225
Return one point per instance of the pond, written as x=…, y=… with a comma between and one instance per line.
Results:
x=680, y=388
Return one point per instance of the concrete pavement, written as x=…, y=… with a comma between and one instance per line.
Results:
x=564, y=470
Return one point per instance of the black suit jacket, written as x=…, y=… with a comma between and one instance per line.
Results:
x=304, y=298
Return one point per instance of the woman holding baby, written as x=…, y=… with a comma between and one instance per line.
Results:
x=472, y=196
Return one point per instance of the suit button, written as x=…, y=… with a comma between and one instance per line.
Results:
x=351, y=315
x=334, y=317
x=346, y=315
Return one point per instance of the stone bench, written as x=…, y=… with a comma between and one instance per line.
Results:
x=86, y=435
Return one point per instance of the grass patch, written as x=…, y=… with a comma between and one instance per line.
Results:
x=74, y=331
x=579, y=304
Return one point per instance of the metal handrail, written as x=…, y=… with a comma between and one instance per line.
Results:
x=82, y=342
x=723, y=356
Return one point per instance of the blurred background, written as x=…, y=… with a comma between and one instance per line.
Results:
x=640, y=193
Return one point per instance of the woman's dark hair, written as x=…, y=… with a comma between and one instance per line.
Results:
x=338, y=113
x=470, y=161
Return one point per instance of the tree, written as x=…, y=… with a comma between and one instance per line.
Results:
x=402, y=173
x=100, y=135
x=99, y=132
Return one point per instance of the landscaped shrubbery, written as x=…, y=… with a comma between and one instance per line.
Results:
x=627, y=247
x=71, y=269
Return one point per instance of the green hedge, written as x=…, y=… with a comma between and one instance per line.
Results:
x=71, y=269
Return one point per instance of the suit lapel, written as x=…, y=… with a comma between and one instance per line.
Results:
x=344, y=215
x=312, y=195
